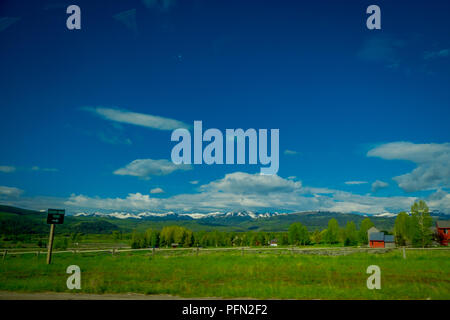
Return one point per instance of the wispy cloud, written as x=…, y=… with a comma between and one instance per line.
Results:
x=429, y=55
x=378, y=184
x=7, y=169
x=290, y=152
x=145, y=168
x=194, y=182
x=6, y=22
x=128, y=19
x=10, y=192
x=163, y=5
x=432, y=159
x=380, y=48
x=138, y=119
x=355, y=182
x=156, y=191
x=36, y=168
x=113, y=139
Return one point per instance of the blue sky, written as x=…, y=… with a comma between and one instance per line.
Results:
x=363, y=114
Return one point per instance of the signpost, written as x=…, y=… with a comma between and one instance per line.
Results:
x=54, y=216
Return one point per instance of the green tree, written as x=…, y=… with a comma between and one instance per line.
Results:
x=298, y=234
x=316, y=236
x=401, y=228
x=351, y=235
x=135, y=241
x=366, y=224
x=332, y=233
x=421, y=224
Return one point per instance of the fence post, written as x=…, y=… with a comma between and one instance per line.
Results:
x=242, y=251
x=153, y=251
x=197, y=251
x=37, y=254
x=404, y=253
x=113, y=251
x=4, y=254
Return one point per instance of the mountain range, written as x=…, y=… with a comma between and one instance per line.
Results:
x=19, y=221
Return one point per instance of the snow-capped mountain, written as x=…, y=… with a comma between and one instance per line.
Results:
x=175, y=216
x=230, y=215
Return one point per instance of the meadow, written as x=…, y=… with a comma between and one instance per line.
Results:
x=261, y=274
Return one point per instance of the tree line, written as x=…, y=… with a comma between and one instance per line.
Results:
x=297, y=234
x=410, y=229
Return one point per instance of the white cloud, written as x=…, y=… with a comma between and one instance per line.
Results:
x=156, y=190
x=138, y=119
x=440, y=200
x=145, y=168
x=436, y=54
x=244, y=183
x=378, y=184
x=7, y=169
x=355, y=182
x=10, y=192
x=235, y=192
x=432, y=159
x=290, y=152
x=134, y=201
x=213, y=200
x=194, y=182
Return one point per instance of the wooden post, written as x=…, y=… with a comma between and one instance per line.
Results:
x=37, y=254
x=404, y=253
x=4, y=254
x=197, y=250
x=50, y=243
x=153, y=251
x=242, y=251
x=113, y=251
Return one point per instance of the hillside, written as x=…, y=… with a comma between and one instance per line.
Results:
x=20, y=221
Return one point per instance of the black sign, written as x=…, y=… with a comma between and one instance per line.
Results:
x=55, y=216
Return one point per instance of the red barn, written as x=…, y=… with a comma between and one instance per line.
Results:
x=376, y=239
x=443, y=230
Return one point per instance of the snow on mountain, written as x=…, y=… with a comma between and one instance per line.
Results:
x=385, y=214
x=143, y=215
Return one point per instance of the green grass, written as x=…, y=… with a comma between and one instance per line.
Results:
x=423, y=275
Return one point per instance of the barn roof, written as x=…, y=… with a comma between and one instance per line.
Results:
x=388, y=238
x=376, y=236
x=443, y=224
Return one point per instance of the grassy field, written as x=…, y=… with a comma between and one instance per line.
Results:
x=270, y=274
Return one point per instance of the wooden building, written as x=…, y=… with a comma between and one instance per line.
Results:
x=443, y=231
